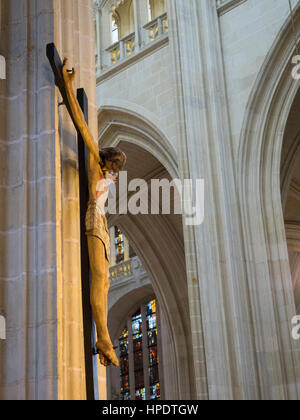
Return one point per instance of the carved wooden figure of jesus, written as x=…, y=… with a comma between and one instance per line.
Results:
x=104, y=166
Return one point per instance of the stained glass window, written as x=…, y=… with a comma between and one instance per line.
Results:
x=144, y=357
x=152, y=350
x=124, y=365
x=155, y=392
x=140, y=394
x=151, y=307
x=137, y=336
x=152, y=338
x=119, y=245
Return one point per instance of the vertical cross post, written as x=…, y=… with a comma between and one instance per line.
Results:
x=89, y=341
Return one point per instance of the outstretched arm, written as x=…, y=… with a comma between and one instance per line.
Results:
x=77, y=113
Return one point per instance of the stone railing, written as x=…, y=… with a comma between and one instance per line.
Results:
x=125, y=271
x=125, y=278
x=153, y=31
x=121, y=271
x=122, y=49
x=156, y=28
x=129, y=44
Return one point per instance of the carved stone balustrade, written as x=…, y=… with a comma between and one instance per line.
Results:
x=156, y=28
x=126, y=271
x=121, y=49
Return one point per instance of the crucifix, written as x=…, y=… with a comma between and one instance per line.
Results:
x=103, y=168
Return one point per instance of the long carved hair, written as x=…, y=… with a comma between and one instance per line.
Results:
x=111, y=153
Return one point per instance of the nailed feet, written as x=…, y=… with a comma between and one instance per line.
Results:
x=106, y=353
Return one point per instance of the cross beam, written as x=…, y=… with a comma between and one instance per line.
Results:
x=88, y=325
x=56, y=64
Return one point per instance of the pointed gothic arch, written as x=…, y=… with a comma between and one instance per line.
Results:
x=259, y=183
x=157, y=240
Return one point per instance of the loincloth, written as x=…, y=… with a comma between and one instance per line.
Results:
x=96, y=225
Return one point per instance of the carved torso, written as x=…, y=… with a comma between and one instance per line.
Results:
x=96, y=222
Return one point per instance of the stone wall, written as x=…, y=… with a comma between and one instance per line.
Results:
x=28, y=272
x=218, y=89
x=144, y=88
x=247, y=34
x=40, y=282
x=218, y=62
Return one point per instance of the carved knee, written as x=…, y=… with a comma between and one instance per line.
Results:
x=98, y=273
x=106, y=287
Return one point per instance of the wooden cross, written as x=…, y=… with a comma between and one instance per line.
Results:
x=89, y=330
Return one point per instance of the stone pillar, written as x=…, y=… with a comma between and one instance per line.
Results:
x=143, y=19
x=160, y=353
x=145, y=352
x=40, y=285
x=28, y=217
x=219, y=309
x=235, y=339
x=75, y=40
x=131, y=360
x=126, y=249
x=106, y=31
x=136, y=7
x=143, y=12
x=98, y=37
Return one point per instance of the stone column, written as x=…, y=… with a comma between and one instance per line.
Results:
x=145, y=352
x=143, y=19
x=143, y=12
x=40, y=286
x=136, y=7
x=131, y=360
x=218, y=296
x=126, y=249
x=105, y=35
x=239, y=351
x=97, y=12
x=74, y=38
x=28, y=217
